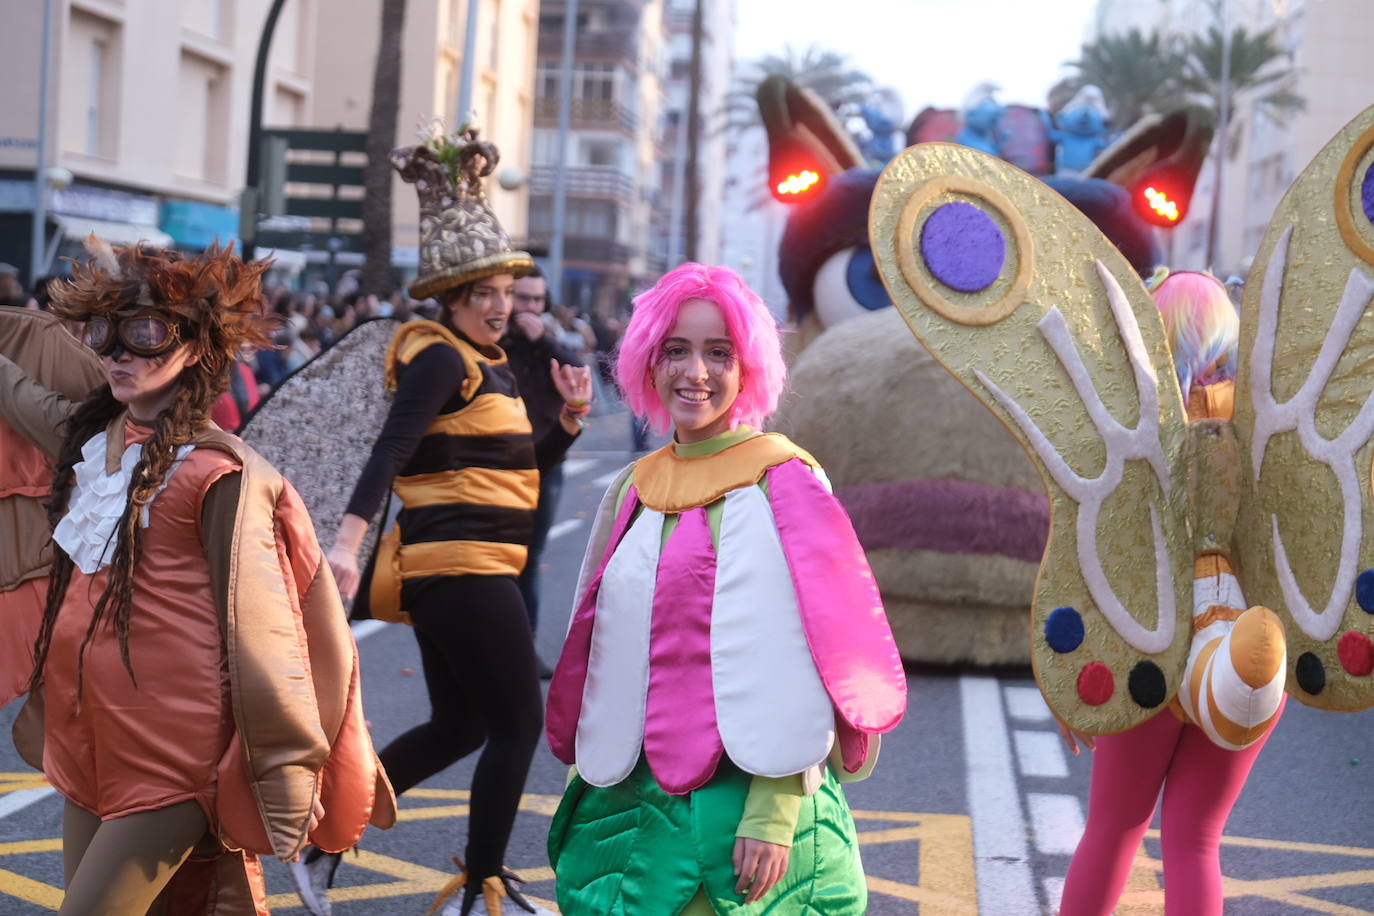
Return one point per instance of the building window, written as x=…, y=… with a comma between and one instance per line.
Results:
x=95, y=88
x=597, y=82
x=546, y=82
x=494, y=50
x=600, y=152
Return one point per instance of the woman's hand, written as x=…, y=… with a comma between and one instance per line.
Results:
x=316, y=815
x=574, y=383
x=1073, y=738
x=759, y=865
x=343, y=556
x=344, y=564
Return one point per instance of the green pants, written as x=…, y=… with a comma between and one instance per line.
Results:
x=633, y=850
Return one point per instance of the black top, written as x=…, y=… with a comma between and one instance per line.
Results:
x=530, y=361
x=425, y=387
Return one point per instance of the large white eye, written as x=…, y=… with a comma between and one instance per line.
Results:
x=847, y=286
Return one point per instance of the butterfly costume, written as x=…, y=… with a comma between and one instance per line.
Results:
x=1167, y=524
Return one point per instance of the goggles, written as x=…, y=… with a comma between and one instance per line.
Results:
x=147, y=332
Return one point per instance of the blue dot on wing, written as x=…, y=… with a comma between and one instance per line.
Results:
x=1367, y=196
x=1364, y=591
x=1064, y=629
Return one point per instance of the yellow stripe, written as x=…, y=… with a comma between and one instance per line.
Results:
x=489, y=414
x=1211, y=564
x=479, y=486
x=461, y=558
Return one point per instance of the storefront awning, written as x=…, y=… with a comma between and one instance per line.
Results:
x=78, y=227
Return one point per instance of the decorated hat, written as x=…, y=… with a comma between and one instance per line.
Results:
x=460, y=238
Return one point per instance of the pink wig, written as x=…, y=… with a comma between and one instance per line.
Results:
x=752, y=330
x=1201, y=325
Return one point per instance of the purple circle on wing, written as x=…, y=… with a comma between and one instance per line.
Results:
x=1367, y=193
x=963, y=247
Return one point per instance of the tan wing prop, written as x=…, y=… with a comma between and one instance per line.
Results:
x=1059, y=338
x=1305, y=415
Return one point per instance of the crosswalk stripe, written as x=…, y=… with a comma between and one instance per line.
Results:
x=1026, y=703
x=567, y=526
x=1056, y=821
x=17, y=801
x=1040, y=753
x=574, y=466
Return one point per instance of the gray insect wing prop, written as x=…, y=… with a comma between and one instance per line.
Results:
x=318, y=427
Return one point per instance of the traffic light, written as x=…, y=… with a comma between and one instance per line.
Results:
x=806, y=142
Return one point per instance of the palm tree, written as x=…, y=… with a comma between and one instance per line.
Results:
x=1137, y=74
x=1258, y=66
x=381, y=137
x=827, y=73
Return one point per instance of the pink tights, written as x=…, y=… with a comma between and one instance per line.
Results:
x=1201, y=783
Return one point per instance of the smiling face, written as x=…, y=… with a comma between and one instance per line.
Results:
x=697, y=373
x=482, y=313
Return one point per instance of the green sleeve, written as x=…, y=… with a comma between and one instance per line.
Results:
x=771, y=809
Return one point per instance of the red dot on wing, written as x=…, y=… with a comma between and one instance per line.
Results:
x=1095, y=684
x=1356, y=653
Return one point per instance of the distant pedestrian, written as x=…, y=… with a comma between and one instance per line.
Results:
x=531, y=346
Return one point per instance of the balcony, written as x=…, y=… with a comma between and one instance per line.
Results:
x=604, y=181
x=585, y=249
x=599, y=113
x=612, y=45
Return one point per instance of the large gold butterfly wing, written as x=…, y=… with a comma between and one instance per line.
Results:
x=1030, y=306
x=1305, y=416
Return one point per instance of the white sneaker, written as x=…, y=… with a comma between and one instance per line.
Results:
x=313, y=875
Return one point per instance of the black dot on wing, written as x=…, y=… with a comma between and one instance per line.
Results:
x=1147, y=685
x=1311, y=673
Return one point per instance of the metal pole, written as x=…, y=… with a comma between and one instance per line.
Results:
x=1223, y=131
x=560, y=168
x=464, y=112
x=250, y=198
x=38, y=260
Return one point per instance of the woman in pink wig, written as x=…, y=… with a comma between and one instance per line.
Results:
x=728, y=662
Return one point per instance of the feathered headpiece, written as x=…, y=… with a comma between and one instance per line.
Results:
x=217, y=296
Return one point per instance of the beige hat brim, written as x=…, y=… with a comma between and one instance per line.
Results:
x=517, y=263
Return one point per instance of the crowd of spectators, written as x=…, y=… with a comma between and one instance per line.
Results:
x=312, y=320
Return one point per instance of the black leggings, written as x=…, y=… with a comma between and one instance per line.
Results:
x=479, y=663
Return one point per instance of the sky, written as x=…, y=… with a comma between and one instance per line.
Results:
x=934, y=52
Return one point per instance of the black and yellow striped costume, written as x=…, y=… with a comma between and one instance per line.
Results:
x=469, y=485
x=458, y=451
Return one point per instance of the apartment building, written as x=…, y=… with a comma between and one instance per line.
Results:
x=1327, y=42
x=613, y=151
x=344, y=49
x=147, y=116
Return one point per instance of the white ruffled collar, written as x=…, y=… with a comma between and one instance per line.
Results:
x=97, y=501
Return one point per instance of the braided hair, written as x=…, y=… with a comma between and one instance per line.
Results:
x=217, y=301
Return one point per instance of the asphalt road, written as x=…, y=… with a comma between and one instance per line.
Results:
x=974, y=807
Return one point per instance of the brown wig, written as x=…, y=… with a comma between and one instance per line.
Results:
x=217, y=302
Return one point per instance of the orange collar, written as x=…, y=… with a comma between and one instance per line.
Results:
x=669, y=483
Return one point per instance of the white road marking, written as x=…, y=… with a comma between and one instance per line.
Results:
x=362, y=629
x=605, y=480
x=18, y=801
x=1040, y=754
x=566, y=526
x=1057, y=821
x=999, y=833
x=574, y=466
x=1026, y=703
